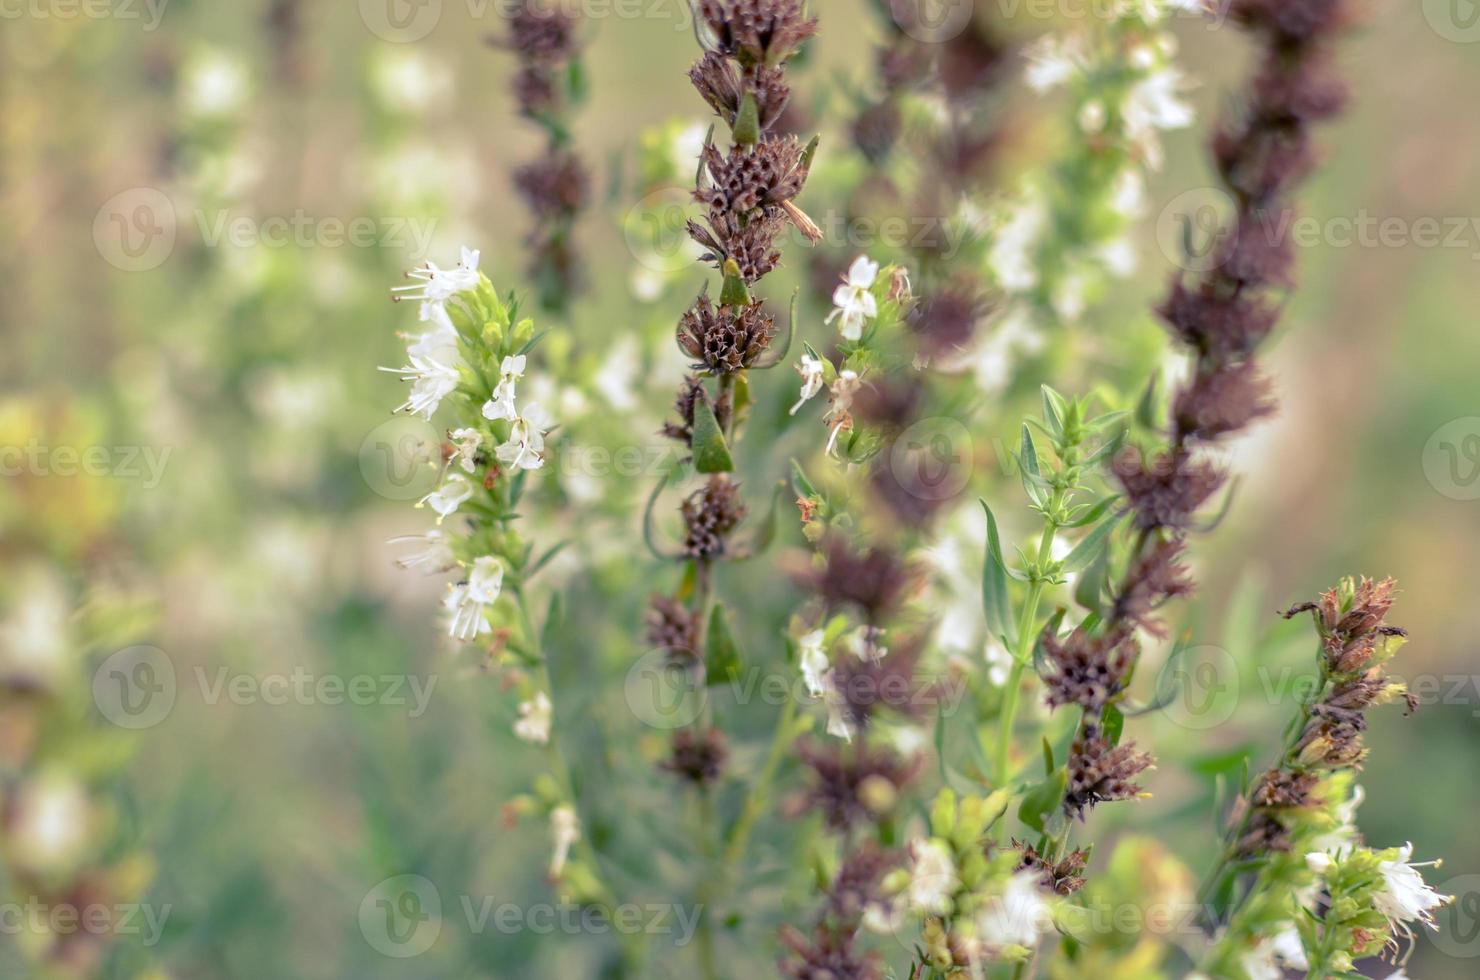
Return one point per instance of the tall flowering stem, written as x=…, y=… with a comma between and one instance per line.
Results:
x=748, y=191
x=1316, y=899
x=549, y=84
x=466, y=366
x=1222, y=315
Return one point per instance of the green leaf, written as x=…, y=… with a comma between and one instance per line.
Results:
x=1044, y=798
x=552, y=625
x=734, y=292
x=1148, y=409
x=994, y=584
x=1033, y=483
x=1113, y=723
x=1054, y=409
x=800, y=485
x=1091, y=547
x=1094, y=512
x=711, y=454
x=721, y=657
x=1089, y=590
x=747, y=130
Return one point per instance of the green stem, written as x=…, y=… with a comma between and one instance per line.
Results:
x=1026, y=636
x=755, y=800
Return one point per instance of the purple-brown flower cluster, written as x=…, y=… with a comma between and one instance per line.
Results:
x=545, y=37
x=1351, y=621
x=1222, y=315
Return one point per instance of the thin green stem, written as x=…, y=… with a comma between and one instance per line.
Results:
x=755, y=800
x=1027, y=634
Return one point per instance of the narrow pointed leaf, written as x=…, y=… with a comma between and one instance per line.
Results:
x=711, y=454
x=721, y=656
x=994, y=584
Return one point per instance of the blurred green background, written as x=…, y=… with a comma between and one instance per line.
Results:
x=134, y=317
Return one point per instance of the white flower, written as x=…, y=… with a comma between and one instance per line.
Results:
x=840, y=415
x=1012, y=256
x=1405, y=897
x=431, y=381
x=1017, y=916
x=1053, y=60
x=565, y=827
x=468, y=601
x=50, y=822
x=1092, y=116
x=436, y=556
x=1318, y=861
x=1154, y=104
x=838, y=724
x=467, y=442
x=933, y=878
x=1288, y=948
x=853, y=301
x=447, y=498
x=864, y=644
x=999, y=663
x=810, y=368
x=501, y=405
x=526, y=439
x=1275, y=954
x=436, y=286
x=814, y=663
x=535, y=716
x=1128, y=193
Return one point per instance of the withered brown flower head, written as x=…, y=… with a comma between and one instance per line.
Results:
x=1064, y=877
x=876, y=580
x=543, y=32
x=876, y=131
x=751, y=244
x=748, y=179
x=553, y=185
x=1157, y=576
x=1350, y=638
x=878, y=678
x=828, y=954
x=1223, y=399
x=1293, y=21
x=1218, y=322
x=671, y=627
x=856, y=886
x=698, y=757
x=1166, y=489
x=1278, y=792
x=710, y=516
x=724, y=86
x=725, y=339
x=757, y=31
x=1086, y=670
x=850, y=784
x=690, y=392
x=1100, y=772
x=946, y=321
